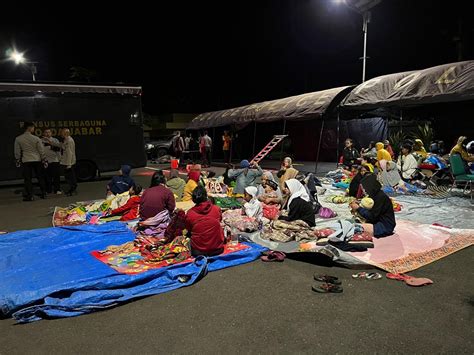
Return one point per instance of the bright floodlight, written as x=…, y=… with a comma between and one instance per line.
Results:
x=339, y=1
x=17, y=57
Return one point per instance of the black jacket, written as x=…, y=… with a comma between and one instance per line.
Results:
x=300, y=209
x=349, y=156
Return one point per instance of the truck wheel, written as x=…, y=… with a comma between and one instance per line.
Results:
x=86, y=170
x=161, y=152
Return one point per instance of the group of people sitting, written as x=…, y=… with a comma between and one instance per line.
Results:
x=404, y=170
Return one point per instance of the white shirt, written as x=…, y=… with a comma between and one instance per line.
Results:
x=253, y=208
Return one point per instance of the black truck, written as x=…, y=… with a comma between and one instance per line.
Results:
x=105, y=122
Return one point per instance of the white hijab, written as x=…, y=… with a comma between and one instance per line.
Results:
x=296, y=190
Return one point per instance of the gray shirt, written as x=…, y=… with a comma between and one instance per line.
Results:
x=29, y=148
x=244, y=178
x=52, y=156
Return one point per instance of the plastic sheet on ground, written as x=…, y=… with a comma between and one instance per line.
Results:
x=49, y=273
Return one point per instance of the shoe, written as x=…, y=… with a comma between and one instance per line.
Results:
x=59, y=192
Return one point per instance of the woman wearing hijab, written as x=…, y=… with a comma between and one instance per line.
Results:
x=382, y=154
x=193, y=181
x=157, y=198
x=262, y=194
x=419, y=149
x=354, y=189
x=245, y=176
x=299, y=205
x=252, y=207
x=389, y=175
x=286, y=172
x=459, y=149
x=176, y=185
x=381, y=218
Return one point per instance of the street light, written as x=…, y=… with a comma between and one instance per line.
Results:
x=362, y=7
x=19, y=58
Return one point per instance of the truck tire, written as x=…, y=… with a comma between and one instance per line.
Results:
x=85, y=170
x=161, y=152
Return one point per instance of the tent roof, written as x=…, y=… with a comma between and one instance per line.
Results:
x=69, y=88
x=306, y=106
x=443, y=83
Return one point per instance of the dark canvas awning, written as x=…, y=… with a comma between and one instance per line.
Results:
x=70, y=88
x=443, y=83
x=306, y=106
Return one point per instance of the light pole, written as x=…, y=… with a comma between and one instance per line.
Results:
x=18, y=58
x=362, y=7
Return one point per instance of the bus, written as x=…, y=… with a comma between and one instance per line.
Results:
x=104, y=120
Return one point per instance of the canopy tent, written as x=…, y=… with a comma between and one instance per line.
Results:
x=443, y=83
x=306, y=106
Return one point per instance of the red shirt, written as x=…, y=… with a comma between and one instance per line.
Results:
x=156, y=199
x=129, y=210
x=204, y=223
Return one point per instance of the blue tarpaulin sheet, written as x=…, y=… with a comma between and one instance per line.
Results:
x=50, y=273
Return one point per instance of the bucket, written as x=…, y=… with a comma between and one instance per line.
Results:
x=174, y=163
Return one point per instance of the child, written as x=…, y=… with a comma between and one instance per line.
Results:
x=270, y=195
x=121, y=183
x=129, y=211
x=366, y=203
x=252, y=207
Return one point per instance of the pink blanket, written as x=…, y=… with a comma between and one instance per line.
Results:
x=415, y=245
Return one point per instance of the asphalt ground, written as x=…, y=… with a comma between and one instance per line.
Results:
x=257, y=307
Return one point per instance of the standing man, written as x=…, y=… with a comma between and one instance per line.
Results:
x=178, y=145
x=68, y=160
x=52, y=151
x=29, y=153
x=206, y=143
x=227, y=140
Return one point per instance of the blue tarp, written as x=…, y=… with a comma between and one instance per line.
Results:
x=50, y=273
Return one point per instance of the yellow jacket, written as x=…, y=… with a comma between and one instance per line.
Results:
x=458, y=149
x=188, y=190
x=382, y=154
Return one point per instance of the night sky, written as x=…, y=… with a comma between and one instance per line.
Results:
x=195, y=56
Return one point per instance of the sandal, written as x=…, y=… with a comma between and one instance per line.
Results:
x=327, y=279
x=327, y=288
x=360, y=275
x=274, y=256
x=410, y=280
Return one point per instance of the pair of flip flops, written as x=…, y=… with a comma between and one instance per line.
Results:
x=367, y=275
x=330, y=284
x=410, y=280
x=273, y=255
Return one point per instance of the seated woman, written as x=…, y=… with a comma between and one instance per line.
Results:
x=193, y=181
x=382, y=154
x=268, y=191
x=419, y=150
x=370, y=151
x=389, y=176
x=459, y=149
x=120, y=183
x=203, y=223
x=157, y=198
x=286, y=172
x=381, y=218
x=354, y=187
x=406, y=163
x=252, y=207
x=176, y=185
x=350, y=155
x=299, y=205
x=245, y=176
x=129, y=211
